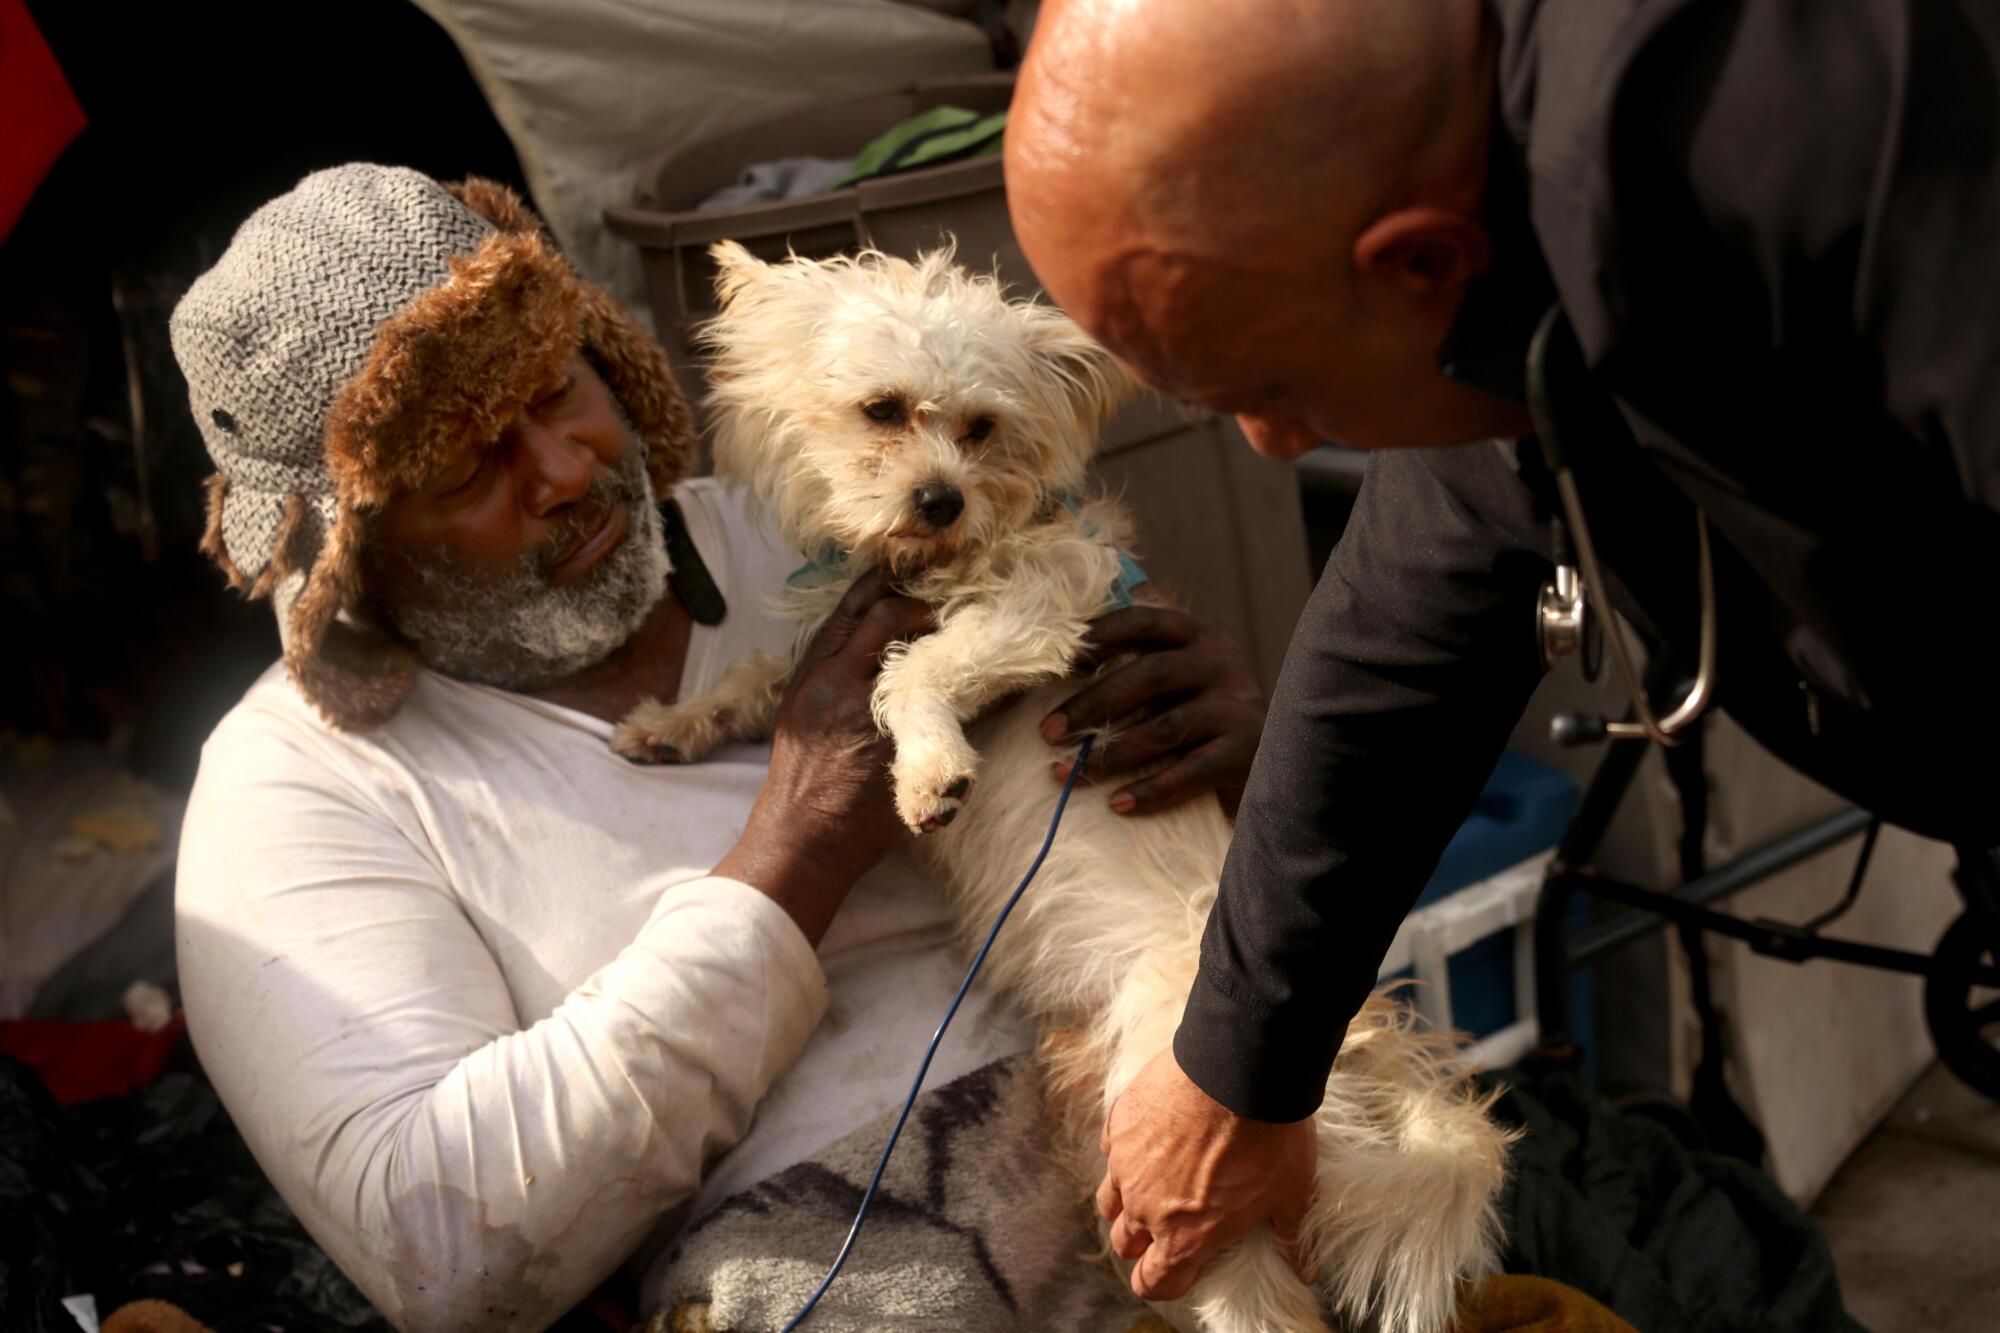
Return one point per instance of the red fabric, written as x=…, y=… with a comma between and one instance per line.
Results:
x=79, y=1061
x=39, y=115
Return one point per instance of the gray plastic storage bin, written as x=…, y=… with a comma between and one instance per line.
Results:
x=901, y=214
x=1218, y=526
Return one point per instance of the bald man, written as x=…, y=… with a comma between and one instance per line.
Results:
x=1772, y=225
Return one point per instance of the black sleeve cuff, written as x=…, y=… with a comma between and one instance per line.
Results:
x=1238, y=1052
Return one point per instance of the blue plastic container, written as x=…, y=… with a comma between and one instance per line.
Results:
x=1525, y=808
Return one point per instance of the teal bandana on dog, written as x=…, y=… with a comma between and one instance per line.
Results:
x=830, y=566
x=1130, y=574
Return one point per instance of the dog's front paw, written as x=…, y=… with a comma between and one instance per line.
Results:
x=657, y=733
x=930, y=788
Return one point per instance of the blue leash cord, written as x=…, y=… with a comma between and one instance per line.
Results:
x=979, y=959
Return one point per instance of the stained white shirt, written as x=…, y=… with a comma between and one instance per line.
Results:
x=471, y=994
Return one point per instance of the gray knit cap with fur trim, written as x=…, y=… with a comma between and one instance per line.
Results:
x=268, y=336
x=358, y=335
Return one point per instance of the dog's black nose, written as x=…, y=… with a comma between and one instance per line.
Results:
x=939, y=506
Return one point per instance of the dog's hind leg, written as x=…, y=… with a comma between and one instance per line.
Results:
x=739, y=708
x=1249, y=1287
x=1410, y=1165
x=1410, y=1168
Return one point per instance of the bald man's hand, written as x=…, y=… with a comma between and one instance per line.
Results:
x=1187, y=1178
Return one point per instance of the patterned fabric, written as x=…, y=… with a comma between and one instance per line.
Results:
x=977, y=1229
x=268, y=336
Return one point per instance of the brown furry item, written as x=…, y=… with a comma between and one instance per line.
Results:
x=689, y=1318
x=1516, y=1303
x=212, y=544
x=152, y=1317
x=446, y=374
x=286, y=550
x=454, y=366
x=357, y=679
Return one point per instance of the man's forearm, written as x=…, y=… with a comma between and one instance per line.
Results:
x=444, y=1155
x=1408, y=670
x=787, y=868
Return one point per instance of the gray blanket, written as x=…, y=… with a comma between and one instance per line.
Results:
x=977, y=1227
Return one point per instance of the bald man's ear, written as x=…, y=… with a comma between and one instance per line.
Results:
x=1424, y=251
x=735, y=269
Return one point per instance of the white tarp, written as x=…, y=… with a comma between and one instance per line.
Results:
x=79, y=842
x=591, y=90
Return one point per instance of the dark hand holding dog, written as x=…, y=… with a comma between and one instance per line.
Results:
x=825, y=817
x=1188, y=701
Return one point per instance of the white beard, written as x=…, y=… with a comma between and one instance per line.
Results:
x=525, y=633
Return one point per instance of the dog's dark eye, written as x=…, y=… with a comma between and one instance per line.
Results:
x=888, y=411
x=979, y=429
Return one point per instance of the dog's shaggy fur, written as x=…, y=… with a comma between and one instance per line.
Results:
x=842, y=389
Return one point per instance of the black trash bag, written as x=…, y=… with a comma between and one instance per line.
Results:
x=95, y=1195
x=1666, y=1234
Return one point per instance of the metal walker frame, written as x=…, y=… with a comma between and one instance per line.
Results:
x=1966, y=959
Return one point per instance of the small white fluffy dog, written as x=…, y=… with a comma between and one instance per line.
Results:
x=907, y=414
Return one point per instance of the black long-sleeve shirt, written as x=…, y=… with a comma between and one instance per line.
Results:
x=1775, y=227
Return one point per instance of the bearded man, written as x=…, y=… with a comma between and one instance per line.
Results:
x=489, y=1003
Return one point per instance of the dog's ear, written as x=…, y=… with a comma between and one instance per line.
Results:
x=1094, y=383
x=735, y=269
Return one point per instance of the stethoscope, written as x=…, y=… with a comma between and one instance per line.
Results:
x=1568, y=618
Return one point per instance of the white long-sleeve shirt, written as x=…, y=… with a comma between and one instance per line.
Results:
x=479, y=1008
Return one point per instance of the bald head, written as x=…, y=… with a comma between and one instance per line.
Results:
x=1175, y=115
x=1177, y=166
